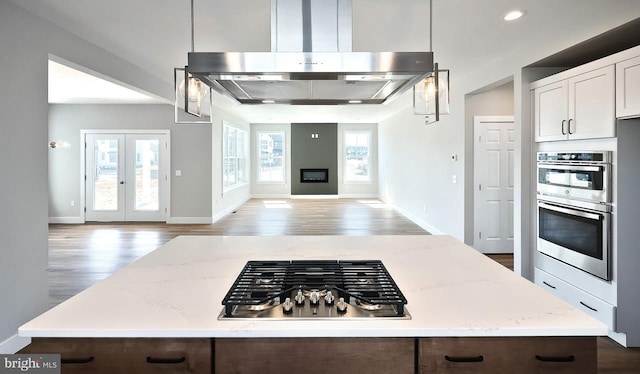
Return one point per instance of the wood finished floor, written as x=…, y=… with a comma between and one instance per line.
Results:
x=81, y=255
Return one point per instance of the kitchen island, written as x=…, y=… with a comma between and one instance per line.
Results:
x=465, y=310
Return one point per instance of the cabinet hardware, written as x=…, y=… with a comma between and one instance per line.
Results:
x=464, y=359
x=153, y=360
x=587, y=306
x=547, y=284
x=569, y=127
x=562, y=127
x=555, y=359
x=84, y=360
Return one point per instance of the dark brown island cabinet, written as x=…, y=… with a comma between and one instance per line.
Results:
x=323, y=355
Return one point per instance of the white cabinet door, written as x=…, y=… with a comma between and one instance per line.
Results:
x=551, y=111
x=592, y=104
x=628, y=88
x=580, y=107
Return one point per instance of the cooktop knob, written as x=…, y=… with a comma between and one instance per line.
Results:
x=314, y=298
x=287, y=306
x=329, y=298
x=299, y=298
x=341, y=305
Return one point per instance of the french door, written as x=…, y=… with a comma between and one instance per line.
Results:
x=126, y=176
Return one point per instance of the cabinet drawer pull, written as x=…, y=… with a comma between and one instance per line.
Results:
x=153, y=360
x=555, y=358
x=464, y=359
x=562, y=127
x=547, y=284
x=587, y=306
x=84, y=360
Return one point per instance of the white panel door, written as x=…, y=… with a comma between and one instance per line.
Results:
x=494, y=180
x=126, y=177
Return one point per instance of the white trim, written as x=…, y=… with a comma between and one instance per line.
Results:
x=66, y=220
x=358, y=196
x=189, y=220
x=166, y=157
x=418, y=221
x=229, y=209
x=315, y=196
x=14, y=344
x=284, y=156
x=271, y=196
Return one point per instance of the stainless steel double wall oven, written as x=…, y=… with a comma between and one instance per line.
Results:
x=574, y=209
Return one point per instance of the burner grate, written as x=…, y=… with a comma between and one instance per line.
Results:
x=264, y=282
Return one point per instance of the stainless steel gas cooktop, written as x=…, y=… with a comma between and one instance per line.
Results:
x=314, y=290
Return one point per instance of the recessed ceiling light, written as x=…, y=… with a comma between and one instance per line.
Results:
x=513, y=15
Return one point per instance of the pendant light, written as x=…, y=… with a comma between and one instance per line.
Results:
x=191, y=92
x=431, y=95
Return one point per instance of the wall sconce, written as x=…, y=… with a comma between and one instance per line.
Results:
x=57, y=144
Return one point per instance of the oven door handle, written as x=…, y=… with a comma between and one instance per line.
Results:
x=570, y=167
x=571, y=211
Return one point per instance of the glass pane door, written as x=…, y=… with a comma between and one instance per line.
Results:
x=105, y=177
x=126, y=177
x=146, y=177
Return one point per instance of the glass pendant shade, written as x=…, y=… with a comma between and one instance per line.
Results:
x=431, y=96
x=193, y=102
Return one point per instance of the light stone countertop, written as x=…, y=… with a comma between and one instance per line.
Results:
x=177, y=290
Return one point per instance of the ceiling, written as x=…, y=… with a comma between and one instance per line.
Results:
x=155, y=35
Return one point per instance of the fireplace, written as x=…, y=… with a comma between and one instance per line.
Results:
x=314, y=175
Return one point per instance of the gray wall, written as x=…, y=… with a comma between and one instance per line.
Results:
x=23, y=171
x=190, y=153
x=496, y=101
x=308, y=153
x=26, y=42
x=628, y=212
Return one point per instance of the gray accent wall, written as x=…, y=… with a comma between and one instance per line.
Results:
x=314, y=153
x=191, y=147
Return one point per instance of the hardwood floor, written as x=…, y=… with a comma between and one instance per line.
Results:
x=81, y=255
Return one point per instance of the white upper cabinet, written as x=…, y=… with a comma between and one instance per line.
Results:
x=628, y=88
x=578, y=107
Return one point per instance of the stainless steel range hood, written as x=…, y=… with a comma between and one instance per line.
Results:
x=311, y=62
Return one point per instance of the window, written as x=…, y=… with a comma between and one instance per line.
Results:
x=234, y=156
x=357, y=165
x=271, y=157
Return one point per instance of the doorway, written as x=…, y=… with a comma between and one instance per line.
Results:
x=126, y=176
x=494, y=156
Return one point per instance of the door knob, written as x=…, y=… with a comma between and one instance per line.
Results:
x=121, y=182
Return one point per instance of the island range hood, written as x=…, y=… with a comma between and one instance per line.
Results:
x=311, y=62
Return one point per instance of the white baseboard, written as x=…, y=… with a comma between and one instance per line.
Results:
x=66, y=220
x=315, y=197
x=230, y=209
x=357, y=196
x=189, y=220
x=13, y=344
x=432, y=230
x=271, y=196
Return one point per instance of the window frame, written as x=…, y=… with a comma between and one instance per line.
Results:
x=259, y=156
x=345, y=174
x=241, y=166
